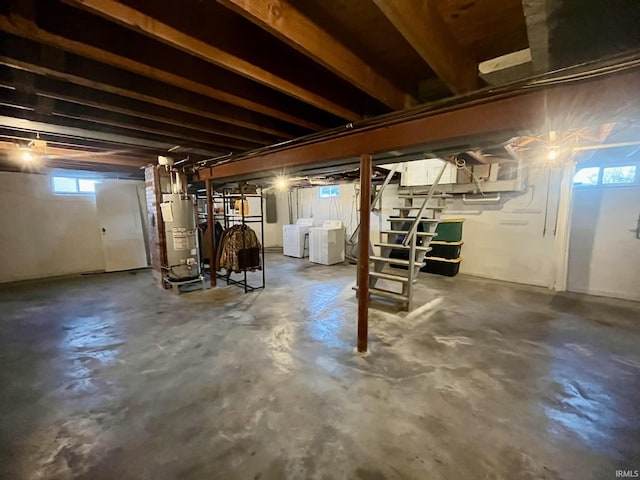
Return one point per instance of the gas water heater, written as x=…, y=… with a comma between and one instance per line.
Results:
x=183, y=253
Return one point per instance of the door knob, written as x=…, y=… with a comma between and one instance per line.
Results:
x=104, y=230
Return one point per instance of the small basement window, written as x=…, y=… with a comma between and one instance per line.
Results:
x=329, y=192
x=67, y=185
x=587, y=176
x=610, y=176
x=624, y=174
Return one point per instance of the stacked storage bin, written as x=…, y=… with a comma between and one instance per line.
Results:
x=444, y=258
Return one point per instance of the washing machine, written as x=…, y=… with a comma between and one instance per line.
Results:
x=293, y=238
x=326, y=243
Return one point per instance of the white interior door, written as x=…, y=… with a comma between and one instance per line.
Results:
x=604, y=251
x=121, y=225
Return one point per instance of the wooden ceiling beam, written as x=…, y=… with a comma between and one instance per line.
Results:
x=15, y=133
x=138, y=21
x=61, y=19
x=26, y=28
x=283, y=20
x=23, y=54
x=114, y=104
x=108, y=157
x=82, y=81
x=9, y=164
x=101, y=158
x=52, y=89
x=81, y=132
x=593, y=101
x=64, y=109
x=421, y=25
x=118, y=121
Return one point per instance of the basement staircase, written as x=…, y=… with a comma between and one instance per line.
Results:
x=405, y=245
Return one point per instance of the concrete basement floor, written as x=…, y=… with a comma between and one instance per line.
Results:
x=108, y=377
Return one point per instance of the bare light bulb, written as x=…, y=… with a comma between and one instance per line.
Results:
x=281, y=183
x=553, y=154
x=27, y=157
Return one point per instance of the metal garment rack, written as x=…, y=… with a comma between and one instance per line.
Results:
x=228, y=198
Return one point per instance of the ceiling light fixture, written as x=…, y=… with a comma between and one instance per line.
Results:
x=281, y=183
x=27, y=157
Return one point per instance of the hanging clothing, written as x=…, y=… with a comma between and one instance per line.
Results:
x=205, y=241
x=223, y=241
x=239, y=250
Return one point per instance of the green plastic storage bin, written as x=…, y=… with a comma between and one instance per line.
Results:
x=449, y=230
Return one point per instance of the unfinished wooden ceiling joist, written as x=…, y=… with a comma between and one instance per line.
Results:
x=421, y=25
x=24, y=55
x=45, y=155
x=229, y=76
x=284, y=21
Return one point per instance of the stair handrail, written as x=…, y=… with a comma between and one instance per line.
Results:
x=376, y=199
x=414, y=226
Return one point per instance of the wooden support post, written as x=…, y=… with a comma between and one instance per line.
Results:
x=363, y=256
x=211, y=232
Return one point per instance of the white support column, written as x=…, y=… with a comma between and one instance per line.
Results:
x=563, y=230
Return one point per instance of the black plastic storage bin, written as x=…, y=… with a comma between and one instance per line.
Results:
x=448, y=250
x=403, y=254
x=400, y=255
x=442, y=266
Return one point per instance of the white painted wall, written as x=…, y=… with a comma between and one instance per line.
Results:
x=43, y=234
x=514, y=239
x=503, y=240
x=343, y=208
x=604, y=254
x=272, y=231
x=510, y=240
x=489, y=231
x=309, y=204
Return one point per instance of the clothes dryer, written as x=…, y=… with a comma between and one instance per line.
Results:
x=326, y=243
x=293, y=238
